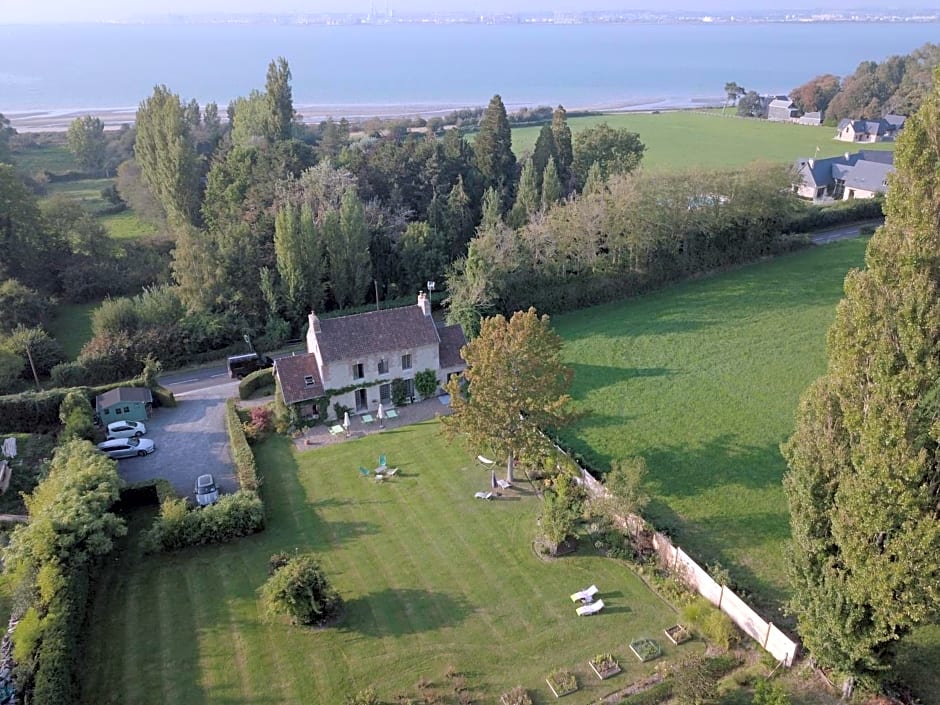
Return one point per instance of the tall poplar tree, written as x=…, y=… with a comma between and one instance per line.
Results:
x=563, y=146
x=347, y=246
x=279, y=100
x=495, y=158
x=551, y=186
x=527, y=197
x=864, y=462
x=545, y=151
x=166, y=154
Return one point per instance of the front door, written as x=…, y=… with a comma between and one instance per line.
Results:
x=361, y=402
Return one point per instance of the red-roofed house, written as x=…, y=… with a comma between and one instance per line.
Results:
x=352, y=360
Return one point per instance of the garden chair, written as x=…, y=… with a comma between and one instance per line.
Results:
x=484, y=495
x=504, y=484
x=367, y=418
x=364, y=471
x=382, y=462
x=585, y=595
x=593, y=608
x=390, y=472
x=391, y=414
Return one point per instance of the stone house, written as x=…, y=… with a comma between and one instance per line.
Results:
x=860, y=175
x=353, y=360
x=881, y=130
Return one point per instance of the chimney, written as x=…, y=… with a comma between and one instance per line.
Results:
x=811, y=162
x=424, y=303
x=846, y=156
x=313, y=322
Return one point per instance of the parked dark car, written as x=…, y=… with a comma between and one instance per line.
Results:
x=242, y=365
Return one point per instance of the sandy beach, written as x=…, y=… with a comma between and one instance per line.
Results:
x=58, y=120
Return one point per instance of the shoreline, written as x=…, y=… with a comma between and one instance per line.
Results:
x=58, y=119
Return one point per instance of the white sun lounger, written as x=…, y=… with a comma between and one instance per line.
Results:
x=484, y=495
x=486, y=461
x=585, y=595
x=593, y=608
x=504, y=484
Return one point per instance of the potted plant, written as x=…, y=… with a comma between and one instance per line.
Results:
x=562, y=682
x=604, y=666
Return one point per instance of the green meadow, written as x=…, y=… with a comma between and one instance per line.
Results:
x=683, y=139
x=432, y=578
x=703, y=381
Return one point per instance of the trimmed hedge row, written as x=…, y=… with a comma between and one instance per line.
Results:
x=179, y=526
x=816, y=217
x=163, y=397
x=255, y=381
x=245, y=466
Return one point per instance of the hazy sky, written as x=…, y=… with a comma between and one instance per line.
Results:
x=15, y=11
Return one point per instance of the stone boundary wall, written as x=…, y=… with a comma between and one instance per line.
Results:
x=675, y=560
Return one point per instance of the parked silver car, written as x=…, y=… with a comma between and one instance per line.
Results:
x=126, y=429
x=127, y=447
x=206, y=491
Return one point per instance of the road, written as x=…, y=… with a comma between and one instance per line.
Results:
x=844, y=232
x=188, y=382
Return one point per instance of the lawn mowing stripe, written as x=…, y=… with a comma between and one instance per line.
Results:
x=241, y=663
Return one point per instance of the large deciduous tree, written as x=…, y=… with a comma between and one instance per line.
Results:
x=816, y=93
x=347, y=246
x=495, y=158
x=864, y=462
x=87, y=142
x=165, y=152
x=615, y=150
x=517, y=388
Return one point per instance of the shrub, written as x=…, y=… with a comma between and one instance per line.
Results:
x=178, y=526
x=659, y=693
x=399, y=392
x=363, y=697
x=251, y=383
x=260, y=423
x=245, y=466
x=719, y=629
x=12, y=367
x=300, y=591
x=426, y=383
x=767, y=693
x=163, y=397
x=516, y=696
x=44, y=350
x=21, y=305
x=77, y=417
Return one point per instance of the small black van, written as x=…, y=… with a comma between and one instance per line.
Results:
x=241, y=365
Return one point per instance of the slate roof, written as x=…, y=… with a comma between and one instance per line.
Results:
x=882, y=156
x=363, y=334
x=120, y=394
x=869, y=176
x=291, y=372
x=452, y=340
x=895, y=121
x=866, y=169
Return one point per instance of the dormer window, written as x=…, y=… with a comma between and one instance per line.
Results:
x=308, y=380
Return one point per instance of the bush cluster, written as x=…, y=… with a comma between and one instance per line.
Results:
x=299, y=590
x=710, y=622
x=49, y=561
x=816, y=217
x=179, y=525
x=255, y=381
x=245, y=466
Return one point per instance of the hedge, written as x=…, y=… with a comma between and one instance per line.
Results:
x=163, y=397
x=179, y=526
x=815, y=217
x=245, y=467
x=659, y=693
x=255, y=381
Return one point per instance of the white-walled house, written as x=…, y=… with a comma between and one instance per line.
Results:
x=860, y=175
x=352, y=360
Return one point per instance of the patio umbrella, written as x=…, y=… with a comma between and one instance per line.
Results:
x=380, y=414
x=346, y=422
x=493, y=479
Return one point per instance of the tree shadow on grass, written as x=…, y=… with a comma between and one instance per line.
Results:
x=397, y=612
x=588, y=378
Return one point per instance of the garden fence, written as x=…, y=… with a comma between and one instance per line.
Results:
x=674, y=559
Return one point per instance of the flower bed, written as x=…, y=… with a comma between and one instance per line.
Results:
x=645, y=649
x=516, y=696
x=677, y=634
x=562, y=682
x=604, y=666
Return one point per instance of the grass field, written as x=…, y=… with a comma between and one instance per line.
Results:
x=126, y=225
x=680, y=139
x=72, y=327
x=85, y=191
x=703, y=381
x=431, y=577
x=55, y=158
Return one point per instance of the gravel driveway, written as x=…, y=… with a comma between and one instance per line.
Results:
x=191, y=440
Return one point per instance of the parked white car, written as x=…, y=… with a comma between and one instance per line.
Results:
x=206, y=491
x=126, y=429
x=127, y=447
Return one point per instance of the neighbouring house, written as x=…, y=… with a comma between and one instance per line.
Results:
x=782, y=110
x=813, y=118
x=124, y=404
x=881, y=130
x=353, y=360
x=860, y=175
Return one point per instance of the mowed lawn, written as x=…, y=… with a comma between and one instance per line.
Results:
x=126, y=225
x=703, y=381
x=682, y=139
x=432, y=578
x=71, y=327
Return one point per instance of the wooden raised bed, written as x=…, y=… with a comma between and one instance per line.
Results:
x=562, y=683
x=645, y=649
x=604, y=666
x=677, y=634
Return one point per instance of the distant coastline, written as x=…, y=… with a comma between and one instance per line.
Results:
x=58, y=120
